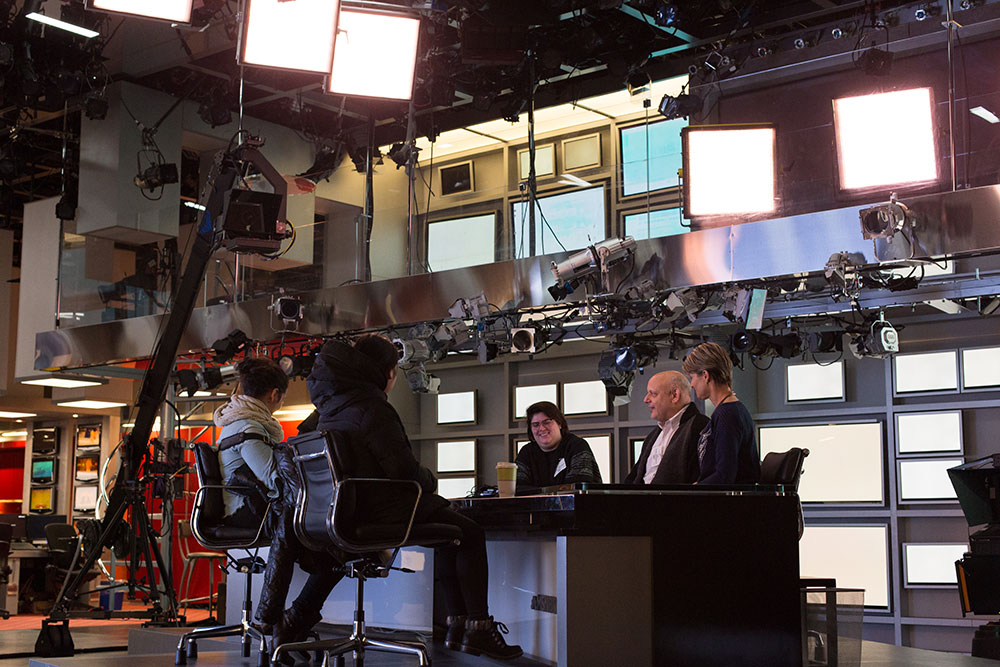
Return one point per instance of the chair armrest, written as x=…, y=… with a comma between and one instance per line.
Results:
x=378, y=491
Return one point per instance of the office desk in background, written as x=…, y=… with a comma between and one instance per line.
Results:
x=23, y=551
x=673, y=576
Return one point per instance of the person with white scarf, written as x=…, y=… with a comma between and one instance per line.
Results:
x=251, y=411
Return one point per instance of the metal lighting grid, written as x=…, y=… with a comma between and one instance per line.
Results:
x=728, y=169
x=175, y=11
x=885, y=139
x=296, y=35
x=375, y=56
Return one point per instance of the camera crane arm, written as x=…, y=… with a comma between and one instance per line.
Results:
x=54, y=639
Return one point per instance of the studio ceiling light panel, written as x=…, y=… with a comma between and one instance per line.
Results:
x=885, y=139
x=295, y=35
x=375, y=55
x=177, y=11
x=728, y=170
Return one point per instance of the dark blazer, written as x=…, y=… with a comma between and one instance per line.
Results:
x=679, y=464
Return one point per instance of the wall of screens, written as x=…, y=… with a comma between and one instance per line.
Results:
x=821, y=554
x=563, y=222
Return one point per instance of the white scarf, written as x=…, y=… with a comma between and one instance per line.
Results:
x=241, y=406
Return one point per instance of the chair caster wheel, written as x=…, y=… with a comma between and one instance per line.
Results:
x=192, y=650
x=181, y=657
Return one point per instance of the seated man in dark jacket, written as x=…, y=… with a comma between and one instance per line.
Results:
x=553, y=455
x=348, y=385
x=670, y=451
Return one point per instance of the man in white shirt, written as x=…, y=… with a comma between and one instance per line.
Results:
x=670, y=451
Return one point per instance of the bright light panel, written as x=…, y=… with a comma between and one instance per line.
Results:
x=929, y=432
x=456, y=456
x=525, y=396
x=63, y=383
x=931, y=564
x=456, y=408
x=885, y=139
x=178, y=11
x=545, y=161
x=926, y=480
x=461, y=242
x=291, y=35
x=16, y=415
x=981, y=367
x=928, y=371
x=636, y=449
x=730, y=171
x=375, y=55
x=812, y=382
x=601, y=446
x=582, y=398
x=519, y=445
x=455, y=487
x=844, y=464
x=857, y=556
x=91, y=405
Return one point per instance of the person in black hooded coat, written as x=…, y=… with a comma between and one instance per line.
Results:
x=348, y=385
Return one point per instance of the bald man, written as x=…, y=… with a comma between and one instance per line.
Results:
x=670, y=451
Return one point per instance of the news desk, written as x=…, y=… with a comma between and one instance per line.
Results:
x=602, y=575
x=671, y=576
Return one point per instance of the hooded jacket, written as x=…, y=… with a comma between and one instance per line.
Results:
x=347, y=390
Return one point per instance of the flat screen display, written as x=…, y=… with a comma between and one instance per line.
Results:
x=456, y=456
x=525, y=396
x=814, y=382
x=585, y=398
x=844, y=463
x=931, y=564
x=926, y=371
x=601, y=446
x=455, y=487
x=45, y=440
x=856, y=556
x=456, y=408
x=920, y=432
x=87, y=468
x=981, y=367
x=926, y=480
x=43, y=471
x=85, y=498
x=42, y=500
x=88, y=436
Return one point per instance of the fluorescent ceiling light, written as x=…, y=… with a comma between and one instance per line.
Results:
x=728, y=170
x=292, y=35
x=885, y=139
x=375, y=55
x=15, y=434
x=985, y=114
x=16, y=415
x=88, y=404
x=62, y=25
x=63, y=382
x=178, y=11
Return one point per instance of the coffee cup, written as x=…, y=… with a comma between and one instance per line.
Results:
x=506, y=478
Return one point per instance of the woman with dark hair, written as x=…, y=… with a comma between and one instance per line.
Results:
x=727, y=447
x=348, y=385
x=553, y=455
x=249, y=453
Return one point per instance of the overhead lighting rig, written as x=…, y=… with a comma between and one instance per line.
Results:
x=597, y=258
x=206, y=379
x=880, y=341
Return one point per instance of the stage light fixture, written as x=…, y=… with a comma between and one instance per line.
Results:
x=637, y=82
x=176, y=11
x=883, y=221
x=228, y=347
x=297, y=35
x=885, y=139
x=728, y=169
x=599, y=257
x=759, y=344
x=527, y=339
x=680, y=106
x=617, y=383
x=879, y=341
x=363, y=66
x=420, y=381
x=635, y=357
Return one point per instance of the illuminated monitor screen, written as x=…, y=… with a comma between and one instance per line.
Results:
x=88, y=436
x=814, y=382
x=856, y=556
x=601, y=446
x=42, y=500
x=920, y=432
x=86, y=468
x=456, y=456
x=456, y=408
x=583, y=398
x=525, y=396
x=981, y=367
x=44, y=440
x=43, y=471
x=844, y=463
x=926, y=371
x=927, y=480
x=85, y=498
x=931, y=564
x=455, y=487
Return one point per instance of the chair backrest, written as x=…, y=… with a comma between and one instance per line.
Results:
x=6, y=534
x=62, y=541
x=783, y=467
x=207, y=517
x=313, y=460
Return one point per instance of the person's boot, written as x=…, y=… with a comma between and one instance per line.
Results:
x=485, y=637
x=456, y=631
x=293, y=627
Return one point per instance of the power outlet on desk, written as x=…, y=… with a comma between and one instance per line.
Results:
x=541, y=602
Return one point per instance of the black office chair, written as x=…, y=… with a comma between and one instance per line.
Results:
x=6, y=534
x=785, y=468
x=211, y=533
x=331, y=512
x=64, y=546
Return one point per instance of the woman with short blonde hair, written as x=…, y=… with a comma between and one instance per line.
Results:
x=727, y=447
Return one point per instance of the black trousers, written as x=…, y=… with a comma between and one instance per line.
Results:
x=463, y=569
